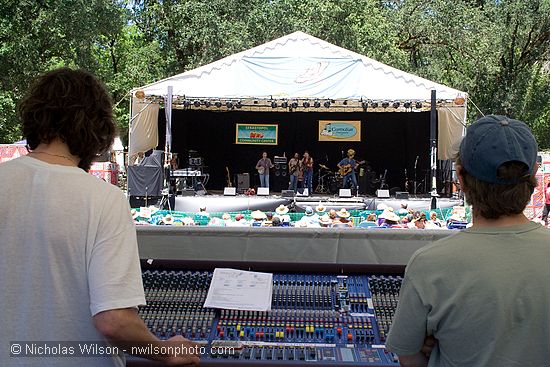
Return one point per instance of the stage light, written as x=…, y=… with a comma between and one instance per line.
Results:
x=345, y=102
x=459, y=100
x=418, y=105
x=284, y=104
x=294, y=105
x=229, y=105
x=140, y=94
x=385, y=104
x=407, y=104
x=305, y=104
x=365, y=105
x=255, y=101
x=273, y=104
x=395, y=104
x=326, y=104
x=374, y=105
x=218, y=104
x=316, y=104
x=207, y=104
x=186, y=103
x=197, y=103
x=239, y=104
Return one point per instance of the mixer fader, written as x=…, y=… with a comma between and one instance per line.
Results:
x=315, y=318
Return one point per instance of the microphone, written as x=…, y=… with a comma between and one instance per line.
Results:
x=416, y=161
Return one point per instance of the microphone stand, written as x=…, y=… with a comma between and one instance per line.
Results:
x=415, y=163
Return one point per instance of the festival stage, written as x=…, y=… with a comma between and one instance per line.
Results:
x=221, y=203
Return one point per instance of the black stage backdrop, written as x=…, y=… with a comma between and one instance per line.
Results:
x=389, y=141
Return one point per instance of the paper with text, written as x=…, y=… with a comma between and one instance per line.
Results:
x=240, y=290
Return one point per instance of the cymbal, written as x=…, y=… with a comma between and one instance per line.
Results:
x=323, y=166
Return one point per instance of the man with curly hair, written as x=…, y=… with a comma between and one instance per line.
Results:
x=69, y=265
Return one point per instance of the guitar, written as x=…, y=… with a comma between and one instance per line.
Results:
x=228, y=177
x=345, y=169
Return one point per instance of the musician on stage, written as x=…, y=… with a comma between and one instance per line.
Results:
x=307, y=163
x=294, y=169
x=347, y=169
x=263, y=166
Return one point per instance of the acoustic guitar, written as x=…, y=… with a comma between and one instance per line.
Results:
x=344, y=170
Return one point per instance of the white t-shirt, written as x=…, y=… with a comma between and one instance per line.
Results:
x=68, y=251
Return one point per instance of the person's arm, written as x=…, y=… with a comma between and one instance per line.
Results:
x=270, y=163
x=125, y=329
x=258, y=164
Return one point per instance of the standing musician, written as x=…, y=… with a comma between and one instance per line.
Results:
x=294, y=168
x=263, y=166
x=347, y=170
x=307, y=163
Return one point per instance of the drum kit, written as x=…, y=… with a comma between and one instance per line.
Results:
x=328, y=181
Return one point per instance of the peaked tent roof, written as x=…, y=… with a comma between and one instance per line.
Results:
x=300, y=66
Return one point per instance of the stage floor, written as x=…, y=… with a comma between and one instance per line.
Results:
x=216, y=202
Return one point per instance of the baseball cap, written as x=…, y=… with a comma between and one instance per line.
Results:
x=494, y=140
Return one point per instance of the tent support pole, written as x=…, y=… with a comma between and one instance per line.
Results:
x=433, y=150
x=168, y=137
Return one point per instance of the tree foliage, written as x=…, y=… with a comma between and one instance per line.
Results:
x=497, y=51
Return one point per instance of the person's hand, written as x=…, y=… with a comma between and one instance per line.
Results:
x=429, y=344
x=189, y=352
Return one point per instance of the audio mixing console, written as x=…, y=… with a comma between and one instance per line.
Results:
x=317, y=318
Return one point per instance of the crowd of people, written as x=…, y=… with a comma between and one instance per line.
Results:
x=318, y=217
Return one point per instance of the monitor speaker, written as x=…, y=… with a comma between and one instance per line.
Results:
x=230, y=191
x=263, y=191
x=402, y=195
x=344, y=193
x=383, y=193
x=287, y=193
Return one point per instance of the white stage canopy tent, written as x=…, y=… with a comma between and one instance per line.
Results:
x=295, y=67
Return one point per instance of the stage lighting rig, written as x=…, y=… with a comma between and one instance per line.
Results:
x=274, y=104
x=418, y=105
x=316, y=104
x=407, y=104
x=186, y=103
x=284, y=104
x=385, y=104
x=306, y=104
x=229, y=105
x=239, y=104
x=294, y=105
x=197, y=103
x=374, y=105
x=396, y=104
x=326, y=104
x=365, y=105
x=207, y=104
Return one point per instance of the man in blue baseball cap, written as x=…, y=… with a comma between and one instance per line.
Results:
x=481, y=297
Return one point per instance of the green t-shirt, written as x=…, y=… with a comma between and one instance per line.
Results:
x=484, y=294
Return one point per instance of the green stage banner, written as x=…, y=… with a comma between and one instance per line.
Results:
x=256, y=134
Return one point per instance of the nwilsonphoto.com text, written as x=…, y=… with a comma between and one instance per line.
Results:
x=102, y=349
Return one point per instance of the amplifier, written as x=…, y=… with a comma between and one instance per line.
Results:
x=186, y=173
x=279, y=160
